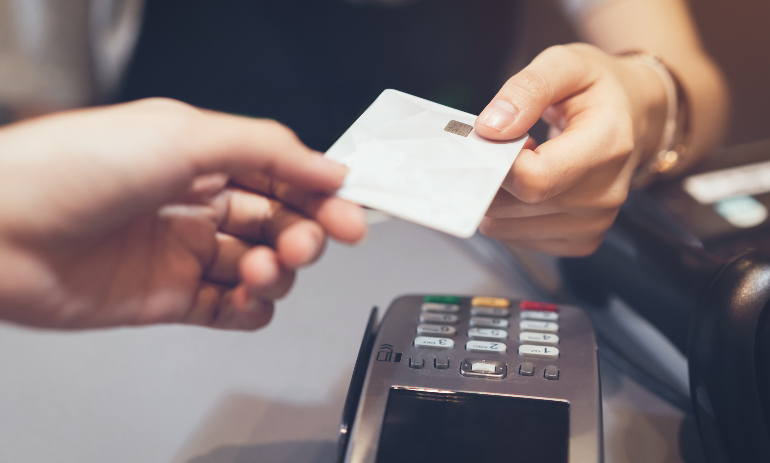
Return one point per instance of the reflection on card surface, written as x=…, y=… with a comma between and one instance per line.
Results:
x=404, y=161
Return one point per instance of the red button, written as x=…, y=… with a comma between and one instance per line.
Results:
x=542, y=306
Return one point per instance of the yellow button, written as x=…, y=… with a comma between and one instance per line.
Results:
x=490, y=301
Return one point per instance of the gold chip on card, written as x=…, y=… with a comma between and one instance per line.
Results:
x=458, y=128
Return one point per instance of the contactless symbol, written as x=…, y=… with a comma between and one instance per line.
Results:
x=458, y=128
x=385, y=353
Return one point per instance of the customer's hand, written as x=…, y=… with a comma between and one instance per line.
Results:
x=158, y=212
x=606, y=115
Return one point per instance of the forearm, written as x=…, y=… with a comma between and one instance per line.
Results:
x=666, y=27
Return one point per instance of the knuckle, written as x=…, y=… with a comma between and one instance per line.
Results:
x=560, y=52
x=281, y=132
x=624, y=139
x=580, y=48
x=163, y=104
x=618, y=130
x=532, y=85
x=533, y=183
x=171, y=113
x=178, y=120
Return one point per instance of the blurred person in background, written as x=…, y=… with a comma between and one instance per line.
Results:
x=639, y=99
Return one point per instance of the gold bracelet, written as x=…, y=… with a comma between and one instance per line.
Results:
x=672, y=147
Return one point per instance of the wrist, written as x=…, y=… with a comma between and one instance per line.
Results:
x=667, y=117
x=649, y=101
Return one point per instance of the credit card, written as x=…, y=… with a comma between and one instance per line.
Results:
x=423, y=162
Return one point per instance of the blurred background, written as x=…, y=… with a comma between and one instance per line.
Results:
x=58, y=54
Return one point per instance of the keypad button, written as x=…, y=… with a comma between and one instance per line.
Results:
x=538, y=315
x=489, y=334
x=485, y=322
x=490, y=312
x=426, y=342
x=416, y=362
x=534, y=325
x=436, y=330
x=490, y=301
x=477, y=368
x=539, y=338
x=543, y=306
x=440, y=308
x=441, y=363
x=527, y=369
x=551, y=372
x=539, y=351
x=440, y=318
x=486, y=347
x=482, y=368
x=442, y=299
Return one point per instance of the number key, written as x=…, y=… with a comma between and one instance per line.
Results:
x=426, y=342
x=485, y=322
x=436, y=330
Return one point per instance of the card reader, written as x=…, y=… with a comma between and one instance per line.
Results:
x=462, y=379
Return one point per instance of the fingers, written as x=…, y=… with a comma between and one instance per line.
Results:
x=297, y=239
x=564, y=232
x=602, y=144
x=554, y=75
x=211, y=142
x=250, y=304
x=342, y=220
x=232, y=144
x=224, y=268
x=263, y=275
x=507, y=206
x=546, y=227
x=219, y=307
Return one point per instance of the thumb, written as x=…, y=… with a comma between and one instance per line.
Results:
x=238, y=145
x=553, y=75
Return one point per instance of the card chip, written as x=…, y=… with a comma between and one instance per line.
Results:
x=458, y=128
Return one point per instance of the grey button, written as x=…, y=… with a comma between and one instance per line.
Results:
x=479, y=368
x=551, y=372
x=416, y=362
x=486, y=322
x=527, y=369
x=539, y=338
x=539, y=315
x=535, y=325
x=490, y=312
x=539, y=351
x=439, y=318
x=440, y=308
x=436, y=330
x=486, y=347
x=427, y=342
x=441, y=363
x=488, y=334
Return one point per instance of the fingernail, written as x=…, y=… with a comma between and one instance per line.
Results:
x=326, y=166
x=498, y=115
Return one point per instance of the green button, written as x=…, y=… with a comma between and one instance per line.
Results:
x=443, y=299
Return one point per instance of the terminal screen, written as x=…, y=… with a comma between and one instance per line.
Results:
x=458, y=427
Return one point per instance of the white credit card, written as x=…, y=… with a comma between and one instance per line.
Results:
x=423, y=162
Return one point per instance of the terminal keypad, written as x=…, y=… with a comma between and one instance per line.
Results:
x=497, y=330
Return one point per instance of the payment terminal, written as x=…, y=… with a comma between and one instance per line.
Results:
x=462, y=379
